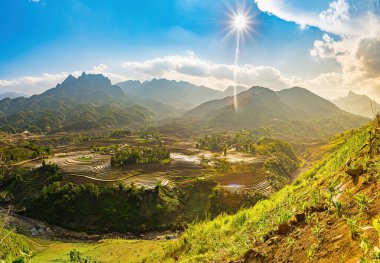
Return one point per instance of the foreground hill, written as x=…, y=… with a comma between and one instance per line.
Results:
x=358, y=104
x=178, y=94
x=260, y=106
x=327, y=215
x=89, y=101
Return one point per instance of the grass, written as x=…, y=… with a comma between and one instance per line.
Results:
x=83, y=159
x=110, y=250
x=229, y=237
x=12, y=244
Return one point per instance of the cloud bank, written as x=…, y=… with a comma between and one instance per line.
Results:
x=352, y=38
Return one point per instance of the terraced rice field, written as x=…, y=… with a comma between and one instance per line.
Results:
x=88, y=167
x=247, y=180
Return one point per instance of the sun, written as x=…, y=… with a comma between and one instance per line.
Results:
x=240, y=22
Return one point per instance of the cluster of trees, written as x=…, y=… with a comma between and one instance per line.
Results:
x=121, y=208
x=149, y=133
x=44, y=195
x=25, y=151
x=281, y=164
x=244, y=141
x=226, y=201
x=120, y=133
x=127, y=156
x=107, y=208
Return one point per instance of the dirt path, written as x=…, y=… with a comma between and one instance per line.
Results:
x=27, y=161
x=103, y=180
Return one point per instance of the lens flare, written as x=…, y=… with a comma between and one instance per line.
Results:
x=239, y=26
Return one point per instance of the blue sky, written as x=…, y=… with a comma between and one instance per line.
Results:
x=42, y=40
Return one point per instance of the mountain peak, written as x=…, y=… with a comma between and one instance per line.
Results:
x=70, y=78
x=352, y=94
x=358, y=104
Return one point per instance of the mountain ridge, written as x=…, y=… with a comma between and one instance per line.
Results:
x=261, y=106
x=89, y=101
x=358, y=104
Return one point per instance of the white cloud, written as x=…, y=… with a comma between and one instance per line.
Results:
x=339, y=17
x=337, y=13
x=101, y=67
x=32, y=84
x=324, y=48
x=38, y=84
x=203, y=72
x=356, y=46
x=189, y=67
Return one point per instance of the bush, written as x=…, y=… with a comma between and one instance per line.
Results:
x=126, y=156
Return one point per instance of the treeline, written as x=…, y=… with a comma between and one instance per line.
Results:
x=224, y=200
x=244, y=141
x=128, y=155
x=281, y=164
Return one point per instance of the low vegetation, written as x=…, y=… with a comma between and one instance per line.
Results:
x=128, y=155
x=24, y=151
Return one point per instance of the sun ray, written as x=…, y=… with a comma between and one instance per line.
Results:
x=239, y=25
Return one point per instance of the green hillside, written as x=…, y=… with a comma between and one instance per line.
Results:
x=228, y=238
x=258, y=107
x=86, y=102
x=331, y=202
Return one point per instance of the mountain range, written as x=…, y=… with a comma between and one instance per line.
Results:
x=358, y=104
x=92, y=102
x=12, y=95
x=89, y=101
x=178, y=94
x=260, y=106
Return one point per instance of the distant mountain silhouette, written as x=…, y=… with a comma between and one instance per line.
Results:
x=307, y=104
x=87, y=88
x=12, y=95
x=261, y=106
x=89, y=101
x=358, y=104
x=229, y=91
x=178, y=94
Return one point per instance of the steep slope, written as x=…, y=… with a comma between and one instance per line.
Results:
x=86, y=88
x=89, y=101
x=182, y=94
x=308, y=104
x=324, y=216
x=358, y=104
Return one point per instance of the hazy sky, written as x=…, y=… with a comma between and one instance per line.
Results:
x=328, y=46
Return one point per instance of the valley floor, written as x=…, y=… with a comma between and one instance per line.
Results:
x=109, y=250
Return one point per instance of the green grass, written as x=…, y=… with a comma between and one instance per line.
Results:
x=83, y=159
x=12, y=244
x=229, y=237
x=110, y=250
